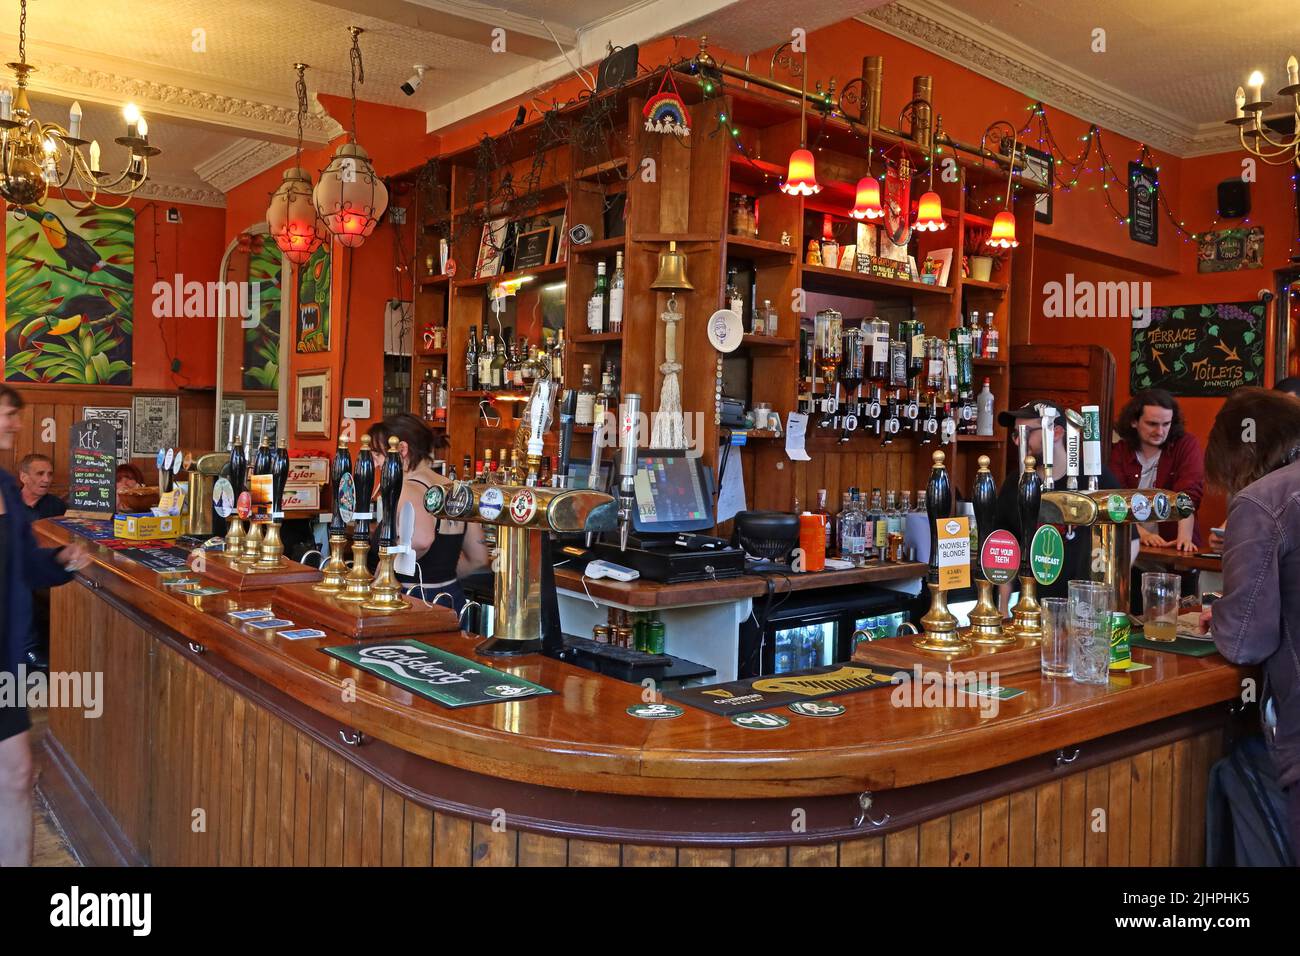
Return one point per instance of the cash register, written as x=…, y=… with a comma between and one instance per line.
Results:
x=673, y=506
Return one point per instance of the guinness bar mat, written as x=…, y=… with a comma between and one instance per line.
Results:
x=760, y=693
x=435, y=674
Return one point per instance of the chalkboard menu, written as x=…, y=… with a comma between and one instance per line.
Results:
x=92, y=471
x=1201, y=350
x=1143, y=194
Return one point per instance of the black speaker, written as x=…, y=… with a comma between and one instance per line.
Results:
x=1234, y=199
x=617, y=68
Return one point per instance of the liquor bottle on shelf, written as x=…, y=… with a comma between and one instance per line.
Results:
x=515, y=476
x=471, y=360
x=912, y=332
x=609, y=382
x=934, y=365
x=877, y=349
x=428, y=395
x=950, y=368
x=853, y=532
x=906, y=507
x=879, y=526
x=898, y=362
x=991, y=346
x=976, y=332
x=557, y=357
x=489, y=475
x=485, y=361
x=984, y=413
x=596, y=304
x=616, y=296
x=499, y=365
x=948, y=427
x=585, y=412
x=465, y=469
x=735, y=302
x=600, y=410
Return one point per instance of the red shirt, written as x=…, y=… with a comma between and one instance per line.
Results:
x=1181, y=468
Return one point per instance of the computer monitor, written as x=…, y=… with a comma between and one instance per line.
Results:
x=580, y=474
x=674, y=492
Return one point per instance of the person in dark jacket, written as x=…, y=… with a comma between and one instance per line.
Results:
x=23, y=567
x=1254, y=454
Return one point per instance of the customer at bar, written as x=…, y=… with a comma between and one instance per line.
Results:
x=1254, y=455
x=1078, y=541
x=445, y=550
x=23, y=567
x=1156, y=451
x=36, y=474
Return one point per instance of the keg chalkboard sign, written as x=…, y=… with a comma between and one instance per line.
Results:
x=1206, y=349
x=92, y=470
x=1143, y=195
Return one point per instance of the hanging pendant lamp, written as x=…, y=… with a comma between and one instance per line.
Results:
x=801, y=173
x=350, y=196
x=291, y=218
x=929, y=208
x=1003, y=233
x=866, y=203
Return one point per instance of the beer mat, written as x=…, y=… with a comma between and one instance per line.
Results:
x=435, y=674
x=167, y=558
x=761, y=693
x=87, y=527
x=1181, y=645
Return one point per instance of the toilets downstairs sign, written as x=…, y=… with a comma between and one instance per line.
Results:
x=440, y=676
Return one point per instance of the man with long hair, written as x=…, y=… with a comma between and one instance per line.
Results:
x=1155, y=450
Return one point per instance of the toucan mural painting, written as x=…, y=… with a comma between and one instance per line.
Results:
x=68, y=294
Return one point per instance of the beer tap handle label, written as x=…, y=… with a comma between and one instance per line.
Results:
x=953, y=535
x=1117, y=508
x=1047, y=555
x=434, y=498
x=1000, y=557
x=347, y=497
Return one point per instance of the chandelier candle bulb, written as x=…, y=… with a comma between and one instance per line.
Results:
x=94, y=155
x=6, y=103
x=1241, y=103
x=74, y=121
x=1292, y=71
x=143, y=128
x=1256, y=84
x=132, y=114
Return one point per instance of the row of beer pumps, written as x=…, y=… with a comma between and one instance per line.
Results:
x=1105, y=513
x=257, y=547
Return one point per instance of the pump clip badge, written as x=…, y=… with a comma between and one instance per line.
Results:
x=434, y=498
x=523, y=506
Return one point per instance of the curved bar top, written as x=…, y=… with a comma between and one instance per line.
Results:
x=581, y=737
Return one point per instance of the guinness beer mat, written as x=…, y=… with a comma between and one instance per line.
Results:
x=435, y=674
x=87, y=527
x=760, y=693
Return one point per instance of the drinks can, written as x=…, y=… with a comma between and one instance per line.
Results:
x=812, y=540
x=1118, y=628
x=654, y=637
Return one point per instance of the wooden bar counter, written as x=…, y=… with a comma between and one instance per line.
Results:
x=220, y=745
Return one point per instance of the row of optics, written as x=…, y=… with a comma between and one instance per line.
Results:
x=348, y=201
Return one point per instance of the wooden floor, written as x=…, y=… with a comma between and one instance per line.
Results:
x=50, y=847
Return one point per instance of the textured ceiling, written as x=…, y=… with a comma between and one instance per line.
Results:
x=1185, y=57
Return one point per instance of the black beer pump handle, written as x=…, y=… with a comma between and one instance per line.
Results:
x=390, y=490
x=279, y=476
x=342, y=465
x=238, y=466
x=938, y=505
x=364, y=478
x=568, y=412
x=984, y=499
x=1029, y=495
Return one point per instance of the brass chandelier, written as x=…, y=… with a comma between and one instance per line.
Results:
x=35, y=156
x=1249, y=119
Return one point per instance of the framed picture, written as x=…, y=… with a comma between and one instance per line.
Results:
x=155, y=423
x=491, y=245
x=311, y=402
x=1038, y=169
x=313, y=331
x=533, y=248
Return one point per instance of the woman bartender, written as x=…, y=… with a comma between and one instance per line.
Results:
x=444, y=550
x=1257, y=621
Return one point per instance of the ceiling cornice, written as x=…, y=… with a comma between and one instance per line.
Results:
x=196, y=194
x=67, y=72
x=956, y=36
x=241, y=161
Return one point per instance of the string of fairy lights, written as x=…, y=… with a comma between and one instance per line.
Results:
x=1068, y=172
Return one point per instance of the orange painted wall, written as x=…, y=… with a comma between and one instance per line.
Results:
x=396, y=141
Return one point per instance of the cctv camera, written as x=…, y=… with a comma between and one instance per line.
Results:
x=413, y=84
x=1264, y=295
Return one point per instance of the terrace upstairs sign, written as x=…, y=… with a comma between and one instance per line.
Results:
x=1199, y=350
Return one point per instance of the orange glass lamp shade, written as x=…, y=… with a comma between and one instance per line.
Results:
x=929, y=213
x=867, y=204
x=801, y=176
x=292, y=219
x=1003, y=233
x=350, y=196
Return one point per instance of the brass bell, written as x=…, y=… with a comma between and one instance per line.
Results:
x=672, y=271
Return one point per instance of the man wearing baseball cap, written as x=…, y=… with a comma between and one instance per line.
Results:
x=1078, y=541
